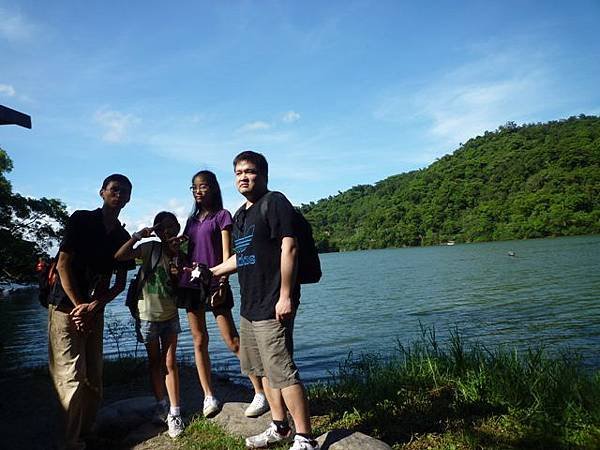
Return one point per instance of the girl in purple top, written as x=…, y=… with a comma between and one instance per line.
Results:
x=209, y=231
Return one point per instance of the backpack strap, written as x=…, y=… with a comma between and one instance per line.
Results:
x=149, y=265
x=264, y=204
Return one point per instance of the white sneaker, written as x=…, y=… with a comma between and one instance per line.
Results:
x=301, y=443
x=175, y=425
x=161, y=410
x=267, y=437
x=211, y=406
x=258, y=407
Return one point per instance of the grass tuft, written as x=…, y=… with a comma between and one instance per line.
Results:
x=464, y=397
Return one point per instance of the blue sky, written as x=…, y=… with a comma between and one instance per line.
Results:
x=334, y=93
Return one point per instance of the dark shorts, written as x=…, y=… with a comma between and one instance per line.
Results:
x=197, y=300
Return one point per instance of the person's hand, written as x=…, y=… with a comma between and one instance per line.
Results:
x=143, y=233
x=283, y=309
x=178, y=239
x=95, y=306
x=82, y=316
x=79, y=310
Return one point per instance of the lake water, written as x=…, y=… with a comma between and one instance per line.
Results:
x=547, y=294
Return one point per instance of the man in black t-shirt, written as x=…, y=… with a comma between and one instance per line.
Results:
x=76, y=310
x=265, y=260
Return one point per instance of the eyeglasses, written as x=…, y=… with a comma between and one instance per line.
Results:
x=200, y=188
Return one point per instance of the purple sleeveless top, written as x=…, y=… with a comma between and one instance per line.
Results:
x=205, y=245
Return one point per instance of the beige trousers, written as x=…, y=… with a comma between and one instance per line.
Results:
x=75, y=364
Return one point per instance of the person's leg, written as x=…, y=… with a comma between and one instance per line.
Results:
x=66, y=349
x=275, y=399
x=295, y=400
x=155, y=366
x=169, y=351
x=147, y=333
x=197, y=322
x=94, y=364
x=252, y=364
x=283, y=385
x=231, y=338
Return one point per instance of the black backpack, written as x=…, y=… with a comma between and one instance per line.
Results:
x=46, y=281
x=309, y=265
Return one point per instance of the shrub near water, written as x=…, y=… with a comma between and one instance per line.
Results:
x=458, y=397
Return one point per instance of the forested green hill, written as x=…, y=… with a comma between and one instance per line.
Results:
x=516, y=182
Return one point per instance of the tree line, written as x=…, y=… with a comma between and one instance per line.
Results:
x=517, y=182
x=28, y=227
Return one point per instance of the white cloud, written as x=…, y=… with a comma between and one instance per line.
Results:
x=253, y=126
x=290, y=117
x=14, y=26
x=7, y=90
x=475, y=97
x=116, y=124
x=465, y=111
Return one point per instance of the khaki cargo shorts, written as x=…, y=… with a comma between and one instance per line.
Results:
x=267, y=350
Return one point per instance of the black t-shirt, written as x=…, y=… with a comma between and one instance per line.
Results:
x=257, y=235
x=92, y=250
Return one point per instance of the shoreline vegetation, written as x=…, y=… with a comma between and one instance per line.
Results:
x=426, y=395
x=517, y=182
x=453, y=396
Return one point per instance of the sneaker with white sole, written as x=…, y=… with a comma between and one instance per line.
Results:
x=258, y=407
x=175, y=425
x=301, y=443
x=161, y=410
x=211, y=406
x=267, y=437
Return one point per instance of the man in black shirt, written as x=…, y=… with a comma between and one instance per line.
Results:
x=265, y=259
x=76, y=311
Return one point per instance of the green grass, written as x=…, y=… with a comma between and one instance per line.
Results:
x=206, y=435
x=203, y=434
x=464, y=397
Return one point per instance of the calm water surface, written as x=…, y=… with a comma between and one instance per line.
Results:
x=548, y=294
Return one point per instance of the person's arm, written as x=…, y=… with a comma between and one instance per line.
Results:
x=226, y=239
x=127, y=252
x=102, y=295
x=227, y=267
x=65, y=273
x=284, y=308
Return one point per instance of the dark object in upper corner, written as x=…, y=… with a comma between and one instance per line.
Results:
x=11, y=117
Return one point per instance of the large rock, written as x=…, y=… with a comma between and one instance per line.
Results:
x=125, y=415
x=349, y=440
x=130, y=420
